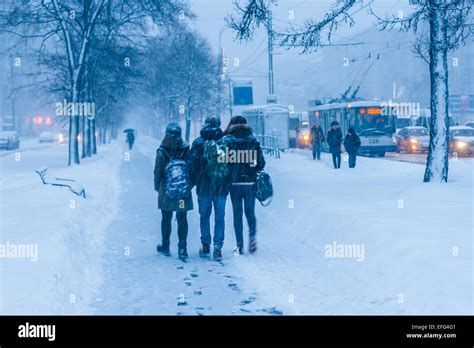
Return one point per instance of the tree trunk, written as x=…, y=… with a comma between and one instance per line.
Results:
x=437, y=162
x=84, y=136
x=188, y=125
x=94, y=137
x=74, y=129
x=89, y=138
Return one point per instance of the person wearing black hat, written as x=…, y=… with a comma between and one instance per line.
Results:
x=352, y=144
x=239, y=139
x=172, y=148
x=212, y=187
x=334, y=139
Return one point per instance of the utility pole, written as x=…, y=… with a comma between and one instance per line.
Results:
x=271, y=86
x=12, y=95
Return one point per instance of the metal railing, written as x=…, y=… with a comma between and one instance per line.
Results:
x=269, y=144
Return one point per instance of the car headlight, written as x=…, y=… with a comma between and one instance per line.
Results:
x=394, y=140
x=461, y=144
x=413, y=141
x=306, y=137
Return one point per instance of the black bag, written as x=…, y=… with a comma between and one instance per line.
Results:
x=264, y=188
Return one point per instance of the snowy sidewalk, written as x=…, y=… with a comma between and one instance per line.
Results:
x=137, y=280
x=409, y=264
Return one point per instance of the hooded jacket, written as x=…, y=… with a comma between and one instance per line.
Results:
x=352, y=143
x=176, y=148
x=317, y=136
x=243, y=145
x=334, y=139
x=205, y=184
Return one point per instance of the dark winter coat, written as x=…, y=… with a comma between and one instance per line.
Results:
x=205, y=184
x=239, y=137
x=317, y=136
x=177, y=149
x=130, y=137
x=334, y=139
x=352, y=143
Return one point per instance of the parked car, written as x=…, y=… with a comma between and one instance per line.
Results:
x=413, y=139
x=9, y=140
x=46, y=137
x=461, y=140
x=469, y=124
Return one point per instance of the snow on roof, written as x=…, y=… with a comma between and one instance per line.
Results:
x=415, y=127
x=460, y=128
x=266, y=107
x=352, y=104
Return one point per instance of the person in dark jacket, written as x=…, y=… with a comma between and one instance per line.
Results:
x=317, y=139
x=211, y=190
x=172, y=147
x=245, y=160
x=334, y=139
x=352, y=144
x=130, y=139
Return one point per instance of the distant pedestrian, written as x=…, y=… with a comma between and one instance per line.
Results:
x=334, y=139
x=245, y=161
x=210, y=176
x=317, y=140
x=174, y=188
x=130, y=139
x=352, y=144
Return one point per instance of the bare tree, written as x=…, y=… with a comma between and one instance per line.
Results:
x=183, y=78
x=448, y=28
x=73, y=25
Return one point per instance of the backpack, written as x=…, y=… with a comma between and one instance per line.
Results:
x=177, y=182
x=216, y=163
x=264, y=188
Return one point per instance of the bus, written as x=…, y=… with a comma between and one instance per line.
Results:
x=270, y=120
x=374, y=121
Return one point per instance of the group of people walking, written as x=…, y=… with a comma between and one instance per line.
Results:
x=335, y=139
x=179, y=168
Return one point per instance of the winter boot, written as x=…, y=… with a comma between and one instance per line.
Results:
x=217, y=255
x=239, y=250
x=205, y=251
x=182, y=254
x=163, y=250
x=252, y=244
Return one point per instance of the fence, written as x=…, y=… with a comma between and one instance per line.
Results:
x=269, y=144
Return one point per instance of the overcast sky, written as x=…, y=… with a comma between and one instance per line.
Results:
x=253, y=56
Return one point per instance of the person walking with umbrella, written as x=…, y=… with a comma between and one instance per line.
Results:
x=130, y=137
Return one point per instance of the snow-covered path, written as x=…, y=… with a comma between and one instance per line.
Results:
x=408, y=230
x=98, y=254
x=139, y=281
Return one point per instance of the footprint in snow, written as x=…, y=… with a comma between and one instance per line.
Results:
x=197, y=292
x=188, y=283
x=271, y=311
x=247, y=301
x=194, y=275
x=234, y=287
